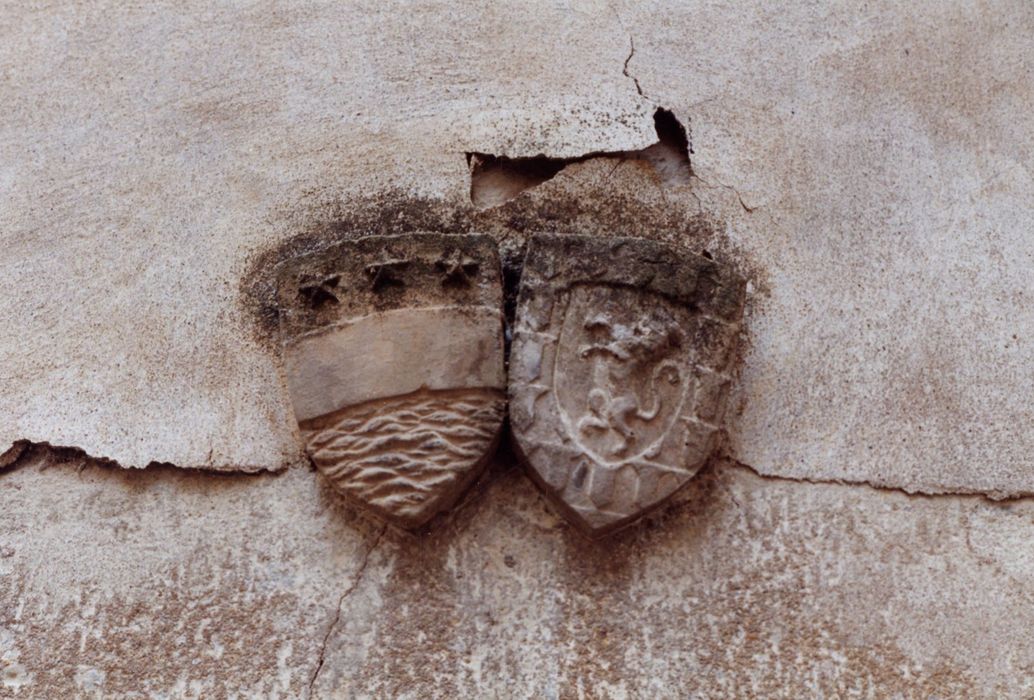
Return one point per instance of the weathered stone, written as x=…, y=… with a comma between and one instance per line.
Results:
x=868, y=164
x=619, y=371
x=393, y=352
x=173, y=583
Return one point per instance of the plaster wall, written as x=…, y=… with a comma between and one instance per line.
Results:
x=868, y=167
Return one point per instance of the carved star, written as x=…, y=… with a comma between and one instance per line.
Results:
x=457, y=267
x=386, y=271
x=321, y=292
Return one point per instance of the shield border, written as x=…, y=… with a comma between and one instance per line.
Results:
x=583, y=488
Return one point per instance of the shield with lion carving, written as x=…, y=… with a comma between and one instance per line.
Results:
x=619, y=371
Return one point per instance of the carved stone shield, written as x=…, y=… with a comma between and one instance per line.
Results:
x=619, y=371
x=393, y=351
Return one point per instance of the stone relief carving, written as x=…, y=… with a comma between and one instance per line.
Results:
x=393, y=350
x=619, y=371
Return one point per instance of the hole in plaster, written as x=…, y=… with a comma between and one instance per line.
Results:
x=498, y=179
x=495, y=179
x=670, y=155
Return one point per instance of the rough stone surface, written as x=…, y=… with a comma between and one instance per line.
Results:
x=619, y=371
x=866, y=167
x=393, y=352
x=169, y=583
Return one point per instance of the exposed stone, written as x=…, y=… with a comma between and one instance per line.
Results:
x=393, y=349
x=619, y=371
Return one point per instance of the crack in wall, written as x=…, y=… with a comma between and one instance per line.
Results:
x=48, y=456
x=624, y=70
x=689, y=147
x=356, y=580
x=496, y=179
x=989, y=496
x=21, y=452
x=736, y=192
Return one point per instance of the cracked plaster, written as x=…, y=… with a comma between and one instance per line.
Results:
x=869, y=166
x=172, y=583
x=150, y=154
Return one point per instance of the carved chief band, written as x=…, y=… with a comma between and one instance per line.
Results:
x=393, y=349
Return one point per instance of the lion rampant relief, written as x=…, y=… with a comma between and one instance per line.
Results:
x=622, y=357
x=619, y=371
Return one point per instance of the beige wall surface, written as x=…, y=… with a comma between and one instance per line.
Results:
x=867, y=166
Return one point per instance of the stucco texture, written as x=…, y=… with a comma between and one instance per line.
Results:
x=867, y=167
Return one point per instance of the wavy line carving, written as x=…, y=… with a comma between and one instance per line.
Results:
x=407, y=456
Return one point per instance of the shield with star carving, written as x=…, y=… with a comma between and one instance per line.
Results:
x=393, y=353
x=619, y=371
